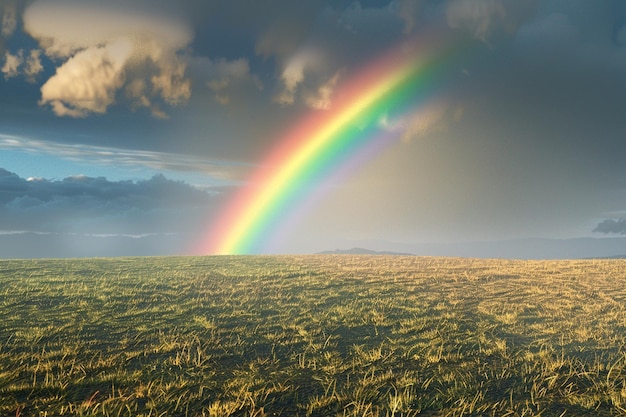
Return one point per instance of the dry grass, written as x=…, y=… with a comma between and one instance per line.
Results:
x=312, y=336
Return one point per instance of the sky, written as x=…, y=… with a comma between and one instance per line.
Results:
x=130, y=127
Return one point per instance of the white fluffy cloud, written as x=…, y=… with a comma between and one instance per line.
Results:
x=66, y=26
x=321, y=98
x=293, y=75
x=11, y=64
x=336, y=39
x=31, y=65
x=306, y=76
x=87, y=82
x=106, y=46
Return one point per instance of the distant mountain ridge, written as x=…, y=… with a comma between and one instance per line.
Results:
x=362, y=251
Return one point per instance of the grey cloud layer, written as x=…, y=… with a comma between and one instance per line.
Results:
x=95, y=205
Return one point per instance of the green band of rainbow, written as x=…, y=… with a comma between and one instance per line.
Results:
x=322, y=142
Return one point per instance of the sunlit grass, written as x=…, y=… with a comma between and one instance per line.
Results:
x=312, y=336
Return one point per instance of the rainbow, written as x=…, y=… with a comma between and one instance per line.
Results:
x=324, y=141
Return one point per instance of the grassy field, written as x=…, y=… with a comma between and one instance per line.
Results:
x=312, y=336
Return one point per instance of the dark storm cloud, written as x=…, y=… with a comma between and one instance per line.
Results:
x=139, y=194
x=565, y=75
x=558, y=88
x=612, y=226
x=96, y=205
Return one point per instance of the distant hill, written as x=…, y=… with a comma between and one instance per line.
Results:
x=531, y=248
x=362, y=251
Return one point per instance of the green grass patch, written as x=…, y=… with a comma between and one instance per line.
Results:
x=327, y=335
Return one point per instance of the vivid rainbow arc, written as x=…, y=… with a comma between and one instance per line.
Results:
x=324, y=141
